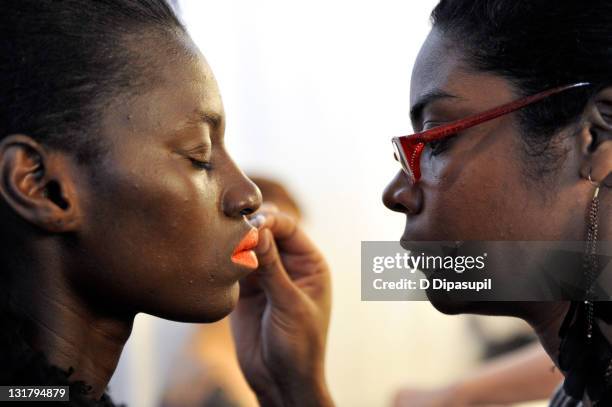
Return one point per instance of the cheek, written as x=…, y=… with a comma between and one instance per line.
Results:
x=155, y=238
x=476, y=198
x=168, y=209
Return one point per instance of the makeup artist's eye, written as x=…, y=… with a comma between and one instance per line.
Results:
x=431, y=124
x=200, y=165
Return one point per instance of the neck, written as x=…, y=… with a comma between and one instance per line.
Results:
x=65, y=328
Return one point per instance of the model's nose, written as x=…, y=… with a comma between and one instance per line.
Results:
x=241, y=199
x=403, y=196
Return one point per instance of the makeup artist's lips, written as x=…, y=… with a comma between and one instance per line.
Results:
x=243, y=253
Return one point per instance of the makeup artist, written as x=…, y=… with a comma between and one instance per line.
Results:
x=512, y=102
x=117, y=196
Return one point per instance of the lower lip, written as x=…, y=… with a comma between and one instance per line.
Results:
x=246, y=258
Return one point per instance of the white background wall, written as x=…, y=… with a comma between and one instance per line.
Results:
x=314, y=90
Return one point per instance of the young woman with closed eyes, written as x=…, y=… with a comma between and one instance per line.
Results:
x=117, y=196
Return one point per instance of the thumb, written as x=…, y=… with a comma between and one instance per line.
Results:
x=272, y=276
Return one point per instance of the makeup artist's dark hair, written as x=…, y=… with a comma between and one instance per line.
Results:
x=63, y=61
x=536, y=44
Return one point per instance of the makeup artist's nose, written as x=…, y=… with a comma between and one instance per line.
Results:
x=241, y=198
x=401, y=195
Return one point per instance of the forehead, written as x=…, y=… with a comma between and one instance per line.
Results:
x=441, y=68
x=437, y=67
x=184, y=88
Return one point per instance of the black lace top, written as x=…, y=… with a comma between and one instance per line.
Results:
x=20, y=365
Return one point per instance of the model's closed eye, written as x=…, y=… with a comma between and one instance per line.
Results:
x=201, y=165
x=199, y=156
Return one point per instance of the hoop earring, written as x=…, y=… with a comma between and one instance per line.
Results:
x=591, y=262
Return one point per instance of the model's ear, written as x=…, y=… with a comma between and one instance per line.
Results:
x=596, y=139
x=38, y=184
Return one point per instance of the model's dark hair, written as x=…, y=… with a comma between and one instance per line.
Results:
x=536, y=45
x=63, y=61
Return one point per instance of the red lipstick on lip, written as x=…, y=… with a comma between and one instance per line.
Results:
x=243, y=253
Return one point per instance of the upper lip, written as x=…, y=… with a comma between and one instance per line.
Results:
x=248, y=242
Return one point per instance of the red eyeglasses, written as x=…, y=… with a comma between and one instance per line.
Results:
x=408, y=149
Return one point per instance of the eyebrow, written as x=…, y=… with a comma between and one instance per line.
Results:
x=416, y=111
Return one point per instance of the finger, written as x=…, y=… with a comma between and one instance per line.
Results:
x=258, y=220
x=272, y=276
x=283, y=226
x=250, y=286
x=268, y=207
x=289, y=236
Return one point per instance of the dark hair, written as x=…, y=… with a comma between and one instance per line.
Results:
x=536, y=45
x=63, y=61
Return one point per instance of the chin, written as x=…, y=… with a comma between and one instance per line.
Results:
x=221, y=306
x=205, y=308
x=448, y=305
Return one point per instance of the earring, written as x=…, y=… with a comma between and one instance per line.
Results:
x=591, y=262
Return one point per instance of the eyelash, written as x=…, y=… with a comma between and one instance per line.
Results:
x=200, y=165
